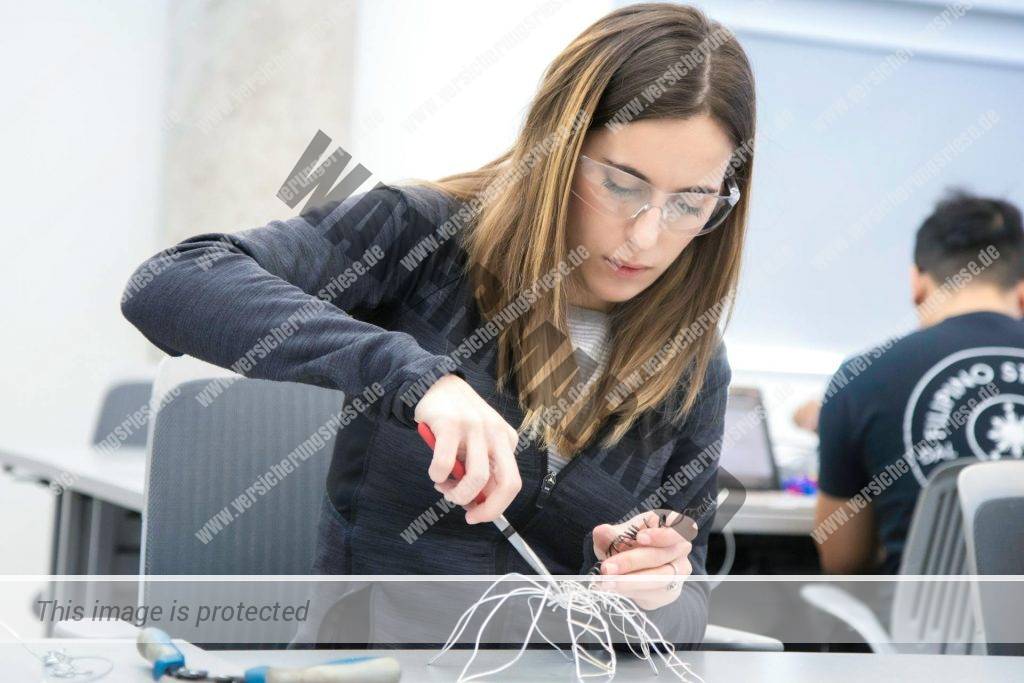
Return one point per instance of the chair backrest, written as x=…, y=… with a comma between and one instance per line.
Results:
x=120, y=404
x=934, y=616
x=235, y=479
x=992, y=501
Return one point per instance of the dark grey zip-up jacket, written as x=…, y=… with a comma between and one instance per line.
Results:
x=372, y=292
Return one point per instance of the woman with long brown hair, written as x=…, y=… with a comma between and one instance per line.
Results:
x=554, y=317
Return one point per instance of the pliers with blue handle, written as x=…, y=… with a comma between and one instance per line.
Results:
x=157, y=647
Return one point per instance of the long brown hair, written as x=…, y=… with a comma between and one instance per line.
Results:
x=519, y=231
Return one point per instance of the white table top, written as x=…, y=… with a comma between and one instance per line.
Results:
x=548, y=665
x=128, y=665
x=117, y=477
x=713, y=667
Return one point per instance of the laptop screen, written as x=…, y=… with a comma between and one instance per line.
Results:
x=746, y=446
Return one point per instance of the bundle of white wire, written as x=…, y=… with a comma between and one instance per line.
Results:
x=588, y=611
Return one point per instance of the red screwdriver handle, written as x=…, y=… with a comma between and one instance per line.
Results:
x=458, y=470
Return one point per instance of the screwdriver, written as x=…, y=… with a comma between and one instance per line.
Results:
x=506, y=529
x=158, y=648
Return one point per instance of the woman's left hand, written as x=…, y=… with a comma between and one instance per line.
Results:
x=660, y=552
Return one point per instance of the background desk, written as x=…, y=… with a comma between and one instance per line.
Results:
x=97, y=488
x=548, y=665
x=89, y=519
x=117, y=477
x=96, y=515
x=778, y=513
x=91, y=477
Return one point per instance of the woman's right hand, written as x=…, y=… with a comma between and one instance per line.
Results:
x=463, y=423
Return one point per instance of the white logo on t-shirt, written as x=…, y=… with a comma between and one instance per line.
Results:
x=969, y=403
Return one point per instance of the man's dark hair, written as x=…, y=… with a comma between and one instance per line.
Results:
x=963, y=225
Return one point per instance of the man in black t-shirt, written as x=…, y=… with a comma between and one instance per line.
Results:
x=953, y=389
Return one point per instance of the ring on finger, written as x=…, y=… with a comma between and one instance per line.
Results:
x=674, y=584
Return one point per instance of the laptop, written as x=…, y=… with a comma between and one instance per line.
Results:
x=747, y=446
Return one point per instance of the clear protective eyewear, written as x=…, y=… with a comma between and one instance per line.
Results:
x=619, y=194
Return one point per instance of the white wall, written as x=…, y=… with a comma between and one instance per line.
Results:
x=249, y=84
x=80, y=128
x=468, y=68
x=815, y=185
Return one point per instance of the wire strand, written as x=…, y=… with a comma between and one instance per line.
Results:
x=589, y=613
x=59, y=664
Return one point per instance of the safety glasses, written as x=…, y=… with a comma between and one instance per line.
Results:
x=619, y=194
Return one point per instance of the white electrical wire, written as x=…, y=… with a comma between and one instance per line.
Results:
x=588, y=612
x=57, y=664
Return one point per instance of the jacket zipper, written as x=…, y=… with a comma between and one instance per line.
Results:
x=550, y=480
x=547, y=485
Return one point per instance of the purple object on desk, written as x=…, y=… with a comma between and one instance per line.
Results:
x=805, y=486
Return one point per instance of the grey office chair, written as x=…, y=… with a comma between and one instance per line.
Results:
x=925, y=616
x=992, y=502
x=201, y=461
x=120, y=402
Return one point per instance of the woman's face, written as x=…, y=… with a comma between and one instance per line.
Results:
x=628, y=255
